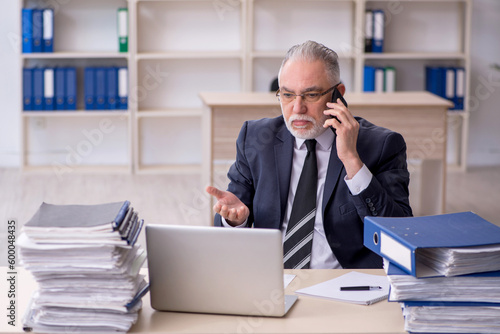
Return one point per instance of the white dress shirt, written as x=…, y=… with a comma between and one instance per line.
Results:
x=322, y=256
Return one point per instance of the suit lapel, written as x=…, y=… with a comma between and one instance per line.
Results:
x=333, y=173
x=283, y=152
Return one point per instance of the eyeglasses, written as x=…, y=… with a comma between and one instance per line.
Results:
x=307, y=97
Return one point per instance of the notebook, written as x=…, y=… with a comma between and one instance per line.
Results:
x=332, y=289
x=217, y=270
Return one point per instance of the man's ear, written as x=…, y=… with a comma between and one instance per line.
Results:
x=341, y=88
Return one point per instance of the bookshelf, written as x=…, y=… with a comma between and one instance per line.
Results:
x=178, y=49
x=66, y=141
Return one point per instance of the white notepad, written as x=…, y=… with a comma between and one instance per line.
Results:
x=331, y=289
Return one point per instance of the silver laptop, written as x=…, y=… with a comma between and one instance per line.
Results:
x=216, y=270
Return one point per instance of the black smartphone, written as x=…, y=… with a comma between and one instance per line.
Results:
x=336, y=95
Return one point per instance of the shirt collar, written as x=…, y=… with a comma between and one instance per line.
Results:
x=325, y=141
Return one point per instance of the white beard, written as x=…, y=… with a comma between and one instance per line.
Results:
x=311, y=133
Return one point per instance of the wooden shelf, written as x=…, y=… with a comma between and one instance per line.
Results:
x=74, y=55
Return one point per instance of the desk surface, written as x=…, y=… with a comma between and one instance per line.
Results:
x=308, y=315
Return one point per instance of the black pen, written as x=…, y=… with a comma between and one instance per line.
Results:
x=360, y=288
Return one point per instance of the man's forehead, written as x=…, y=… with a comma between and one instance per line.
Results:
x=303, y=73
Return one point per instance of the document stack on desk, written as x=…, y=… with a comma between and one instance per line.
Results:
x=443, y=269
x=86, y=262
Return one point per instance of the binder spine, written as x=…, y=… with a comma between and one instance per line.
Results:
x=60, y=89
x=89, y=88
x=70, y=81
x=112, y=87
x=38, y=89
x=27, y=89
x=378, y=30
x=48, y=30
x=100, y=88
x=48, y=89
x=460, y=88
x=379, y=79
x=122, y=29
x=123, y=88
x=369, y=79
x=450, y=85
x=37, y=30
x=385, y=244
x=390, y=79
x=368, y=30
x=27, y=30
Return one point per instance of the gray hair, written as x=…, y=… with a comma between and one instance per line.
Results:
x=312, y=51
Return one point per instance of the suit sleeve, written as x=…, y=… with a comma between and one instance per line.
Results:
x=387, y=194
x=240, y=177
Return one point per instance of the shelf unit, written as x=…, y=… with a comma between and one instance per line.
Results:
x=66, y=141
x=179, y=48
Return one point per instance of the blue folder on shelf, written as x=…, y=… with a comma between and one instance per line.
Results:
x=38, y=88
x=369, y=78
x=48, y=30
x=27, y=89
x=100, y=88
x=407, y=241
x=89, y=88
x=27, y=29
x=112, y=87
x=70, y=81
x=60, y=89
x=37, y=30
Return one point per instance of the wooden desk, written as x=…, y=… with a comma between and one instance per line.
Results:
x=420, y=117
x=308, y=315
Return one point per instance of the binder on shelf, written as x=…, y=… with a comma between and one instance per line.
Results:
x=379, y=79
x=433, y=79
x=60, y=88
x=37, y=30
x=122, y=29
x=368, y=79
x=27, y=30
x=27, y=89
x=430, y=246
x=123, y=88
x=112, y=87
x=38, y=79
x=459, y=88
x=449, y=87
x=378, y=30
x=368, y=30
x=48, y=30
x=100, y=88
x=70, y=96
x=89, y=88
x=48, y=89
x=390, y=79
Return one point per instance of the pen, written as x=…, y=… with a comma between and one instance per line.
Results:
x=360, y=288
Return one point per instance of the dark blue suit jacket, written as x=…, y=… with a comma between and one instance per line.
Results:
x=260, y=178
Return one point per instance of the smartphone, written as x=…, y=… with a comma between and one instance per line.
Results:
x=336, y=95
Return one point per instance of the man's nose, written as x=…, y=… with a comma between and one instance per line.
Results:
x=299, y=106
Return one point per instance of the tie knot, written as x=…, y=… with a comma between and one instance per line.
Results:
x=311, y=145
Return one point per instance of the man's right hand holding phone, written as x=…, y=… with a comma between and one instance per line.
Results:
x=347, y=129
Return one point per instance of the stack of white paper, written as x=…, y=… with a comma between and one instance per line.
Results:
x=448, y=318
x=86, y=263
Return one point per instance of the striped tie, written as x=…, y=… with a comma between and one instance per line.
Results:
x=299, y=234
